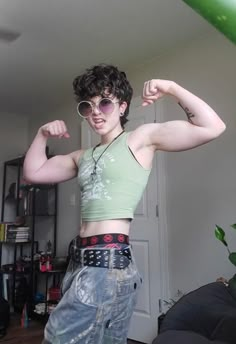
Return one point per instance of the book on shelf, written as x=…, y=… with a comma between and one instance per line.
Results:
x=3, y=229
x=17, y=229
x=9, y=232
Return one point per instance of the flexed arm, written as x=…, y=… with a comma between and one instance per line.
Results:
x=38, y=168
x=203, y=123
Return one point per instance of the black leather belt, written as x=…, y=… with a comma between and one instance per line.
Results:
x=103, y=258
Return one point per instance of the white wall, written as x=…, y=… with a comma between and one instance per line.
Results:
x=13, y=143
x=201, y=184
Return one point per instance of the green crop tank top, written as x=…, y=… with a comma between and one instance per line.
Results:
x=119, y=183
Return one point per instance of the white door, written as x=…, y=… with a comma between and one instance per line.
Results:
x=144, y=238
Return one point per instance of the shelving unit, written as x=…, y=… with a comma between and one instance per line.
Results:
x=56, y=275
x=35, y=204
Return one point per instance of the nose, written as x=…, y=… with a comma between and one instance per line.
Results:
x=96, y=110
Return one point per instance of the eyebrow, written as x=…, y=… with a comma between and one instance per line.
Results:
x=102, y=97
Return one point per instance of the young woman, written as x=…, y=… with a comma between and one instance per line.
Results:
x=101, y=284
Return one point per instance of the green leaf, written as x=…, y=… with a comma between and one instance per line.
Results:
x=232, y=258
x=220, y=235
x=233, y=226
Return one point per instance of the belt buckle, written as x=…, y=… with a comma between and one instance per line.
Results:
x=122, y=258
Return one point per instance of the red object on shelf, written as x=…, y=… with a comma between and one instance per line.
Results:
x=54, y=293
x=43, y=262
x=49, y=263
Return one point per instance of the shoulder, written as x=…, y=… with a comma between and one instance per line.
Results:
x=142, y=136
x=76, y=155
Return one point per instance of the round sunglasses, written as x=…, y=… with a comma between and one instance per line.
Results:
x=85, y=108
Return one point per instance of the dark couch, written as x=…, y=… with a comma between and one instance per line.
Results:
x=204, y=316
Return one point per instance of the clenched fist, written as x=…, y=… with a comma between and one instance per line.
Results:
x=155, y=89
x=55, y=129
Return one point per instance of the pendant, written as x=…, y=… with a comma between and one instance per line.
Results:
x=93, y=174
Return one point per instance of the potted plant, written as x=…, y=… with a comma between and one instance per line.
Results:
x=220, y=235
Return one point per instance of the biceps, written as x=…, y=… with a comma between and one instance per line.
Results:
x=55, y=170
x=179, y=136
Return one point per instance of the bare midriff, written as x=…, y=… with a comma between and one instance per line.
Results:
x=121, y=226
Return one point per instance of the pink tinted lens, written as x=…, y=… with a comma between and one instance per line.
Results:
x=85, y=109
x=106, y=106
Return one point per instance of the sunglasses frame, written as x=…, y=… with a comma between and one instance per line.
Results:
x=92, y=104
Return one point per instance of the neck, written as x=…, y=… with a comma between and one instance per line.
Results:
x=109, y=137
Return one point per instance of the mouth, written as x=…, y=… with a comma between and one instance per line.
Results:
x=98, y=120
x=98, y=123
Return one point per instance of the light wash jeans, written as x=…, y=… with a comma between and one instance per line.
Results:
x=96, y=306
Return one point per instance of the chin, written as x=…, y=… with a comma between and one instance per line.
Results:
x=100, y=131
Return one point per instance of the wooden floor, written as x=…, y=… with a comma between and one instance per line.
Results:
x=31, y=335
x=17, y=335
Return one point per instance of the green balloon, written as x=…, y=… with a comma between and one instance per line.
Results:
x=220, y=13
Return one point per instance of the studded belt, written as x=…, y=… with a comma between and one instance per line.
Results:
x=103, y=258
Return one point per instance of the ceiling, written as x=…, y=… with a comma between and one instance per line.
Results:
x=59, y=38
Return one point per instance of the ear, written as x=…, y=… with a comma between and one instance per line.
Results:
x=123, y=107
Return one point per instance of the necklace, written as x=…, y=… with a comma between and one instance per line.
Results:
x=94, y=172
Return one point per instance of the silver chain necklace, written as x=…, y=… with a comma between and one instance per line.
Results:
x=94, y=172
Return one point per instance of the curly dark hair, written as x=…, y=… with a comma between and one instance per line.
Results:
x=100, y=79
